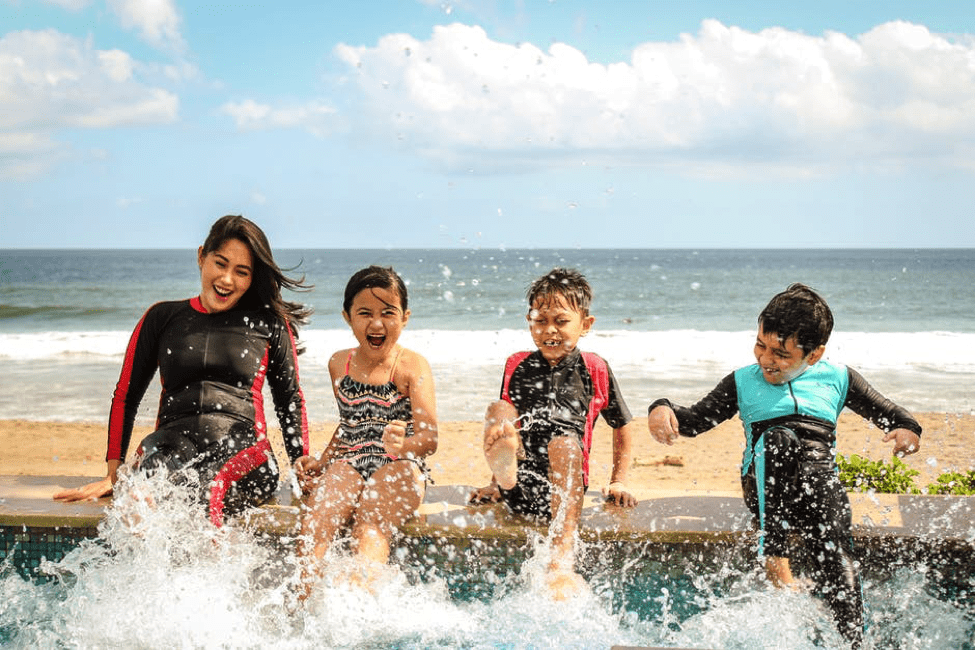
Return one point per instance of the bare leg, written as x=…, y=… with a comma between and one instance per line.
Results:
x=565, y=465
x=389, y=499
x=326, y=510
x=778, y=571
x=501, y=443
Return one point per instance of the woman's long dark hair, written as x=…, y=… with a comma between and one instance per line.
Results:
x=268, y=279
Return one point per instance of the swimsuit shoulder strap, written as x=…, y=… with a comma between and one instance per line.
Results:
x=392, y=369
x=348, y=361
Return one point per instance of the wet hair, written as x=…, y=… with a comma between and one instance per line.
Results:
x=801, y=312
x=267, y=277
x=566, y=283
x=375, y=277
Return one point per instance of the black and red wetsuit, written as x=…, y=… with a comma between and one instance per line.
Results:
x=211, y=411
x=560, y=400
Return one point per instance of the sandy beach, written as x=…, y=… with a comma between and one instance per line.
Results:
x=708, y=463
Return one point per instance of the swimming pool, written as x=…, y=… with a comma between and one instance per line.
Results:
x=466, y=581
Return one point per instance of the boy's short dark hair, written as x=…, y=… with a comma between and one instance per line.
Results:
x=567, y=283
x=801, y=312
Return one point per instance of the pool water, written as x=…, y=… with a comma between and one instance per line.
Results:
x=160, y=576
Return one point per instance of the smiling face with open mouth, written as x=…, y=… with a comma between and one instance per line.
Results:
x=225, y=275
x=782, y=361
x=377, y=320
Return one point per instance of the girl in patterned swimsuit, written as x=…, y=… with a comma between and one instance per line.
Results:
x=388, y=425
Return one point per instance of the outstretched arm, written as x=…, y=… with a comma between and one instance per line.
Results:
x=666, y=420
x=94, y=490
x=622, y=459
x=138, y=368
x=308, y=468
x=662, y=424
x=896, y=421
x=906, y=442
x=289, y=401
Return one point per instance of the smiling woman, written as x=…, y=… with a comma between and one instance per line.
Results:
x=225, y=275
x=213, y=353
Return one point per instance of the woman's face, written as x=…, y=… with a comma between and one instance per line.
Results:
x=225, y=275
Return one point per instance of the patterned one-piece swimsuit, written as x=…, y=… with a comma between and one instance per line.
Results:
x=364, y=412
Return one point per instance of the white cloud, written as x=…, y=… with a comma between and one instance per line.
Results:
x=51, y=81
x=25, y=155
x=116, y=65
x=315, y=117
x=156, y=20
x=775, y=97
x=125, y=202
x=70, y=5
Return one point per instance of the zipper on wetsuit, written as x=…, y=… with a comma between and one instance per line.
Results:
x=794, y=400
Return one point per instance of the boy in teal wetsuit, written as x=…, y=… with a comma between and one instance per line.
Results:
x=789, y=402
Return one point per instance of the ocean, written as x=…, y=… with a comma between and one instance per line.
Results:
x=671, y=323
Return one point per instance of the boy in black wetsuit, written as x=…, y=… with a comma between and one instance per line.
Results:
x=538, y=435
x=789, y=402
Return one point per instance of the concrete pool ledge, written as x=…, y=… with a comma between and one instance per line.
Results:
x=661, y=516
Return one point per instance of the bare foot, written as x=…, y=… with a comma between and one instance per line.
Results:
x=501, y=452
x=348, y=572
x=486, y=494
x=366, y=575
x=564, y=584
x=799, y=586
x=300, y=593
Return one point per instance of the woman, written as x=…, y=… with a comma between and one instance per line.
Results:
x=213, y=353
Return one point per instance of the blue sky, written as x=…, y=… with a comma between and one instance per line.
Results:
x=545, y=123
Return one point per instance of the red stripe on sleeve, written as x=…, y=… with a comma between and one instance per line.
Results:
x=116, y=419
x=301, y=395
x=257, y=399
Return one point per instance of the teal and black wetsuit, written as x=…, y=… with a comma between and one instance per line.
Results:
x=211, y=411
x=789, y=476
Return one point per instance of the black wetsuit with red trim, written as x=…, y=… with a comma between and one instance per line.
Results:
x=560, y=400
x=211, y=411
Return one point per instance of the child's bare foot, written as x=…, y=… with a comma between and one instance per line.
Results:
x=501, y=452
x=799, y=586
x=486, y=494
x=564, y=584
x=366, y=575
x=299, y=595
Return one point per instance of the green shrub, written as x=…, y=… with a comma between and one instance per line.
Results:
x=956, y=483
x=858, y=474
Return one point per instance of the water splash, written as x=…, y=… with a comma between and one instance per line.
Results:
x=160, y=576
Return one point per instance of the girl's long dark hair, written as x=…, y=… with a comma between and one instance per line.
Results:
x=268, y=278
